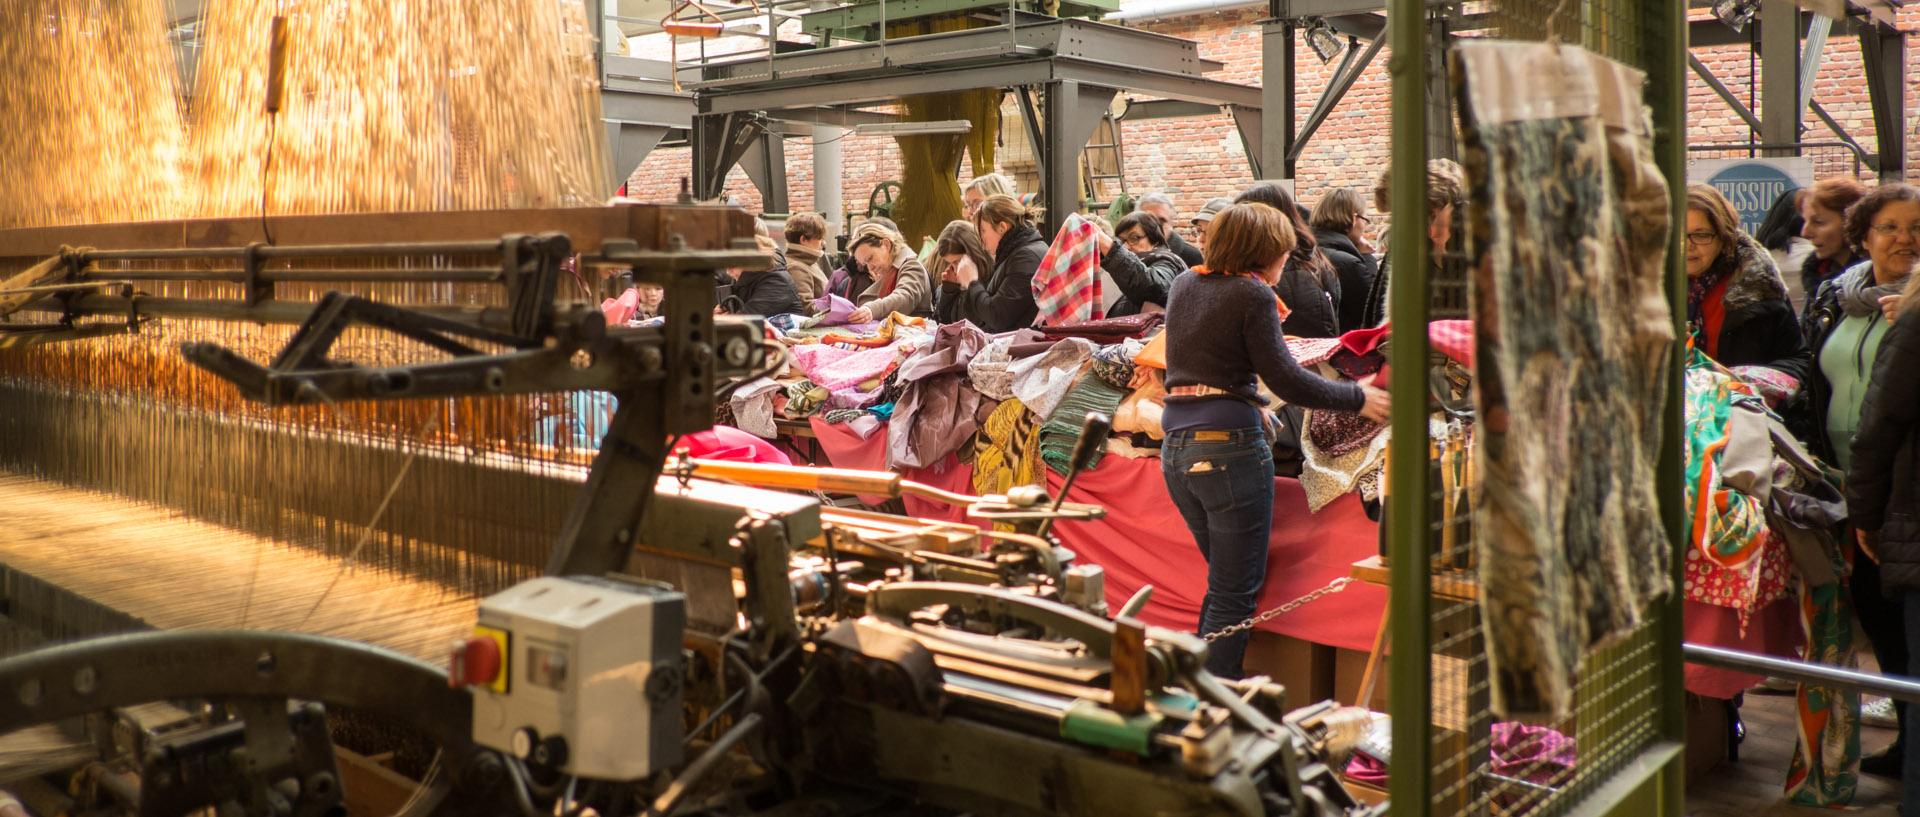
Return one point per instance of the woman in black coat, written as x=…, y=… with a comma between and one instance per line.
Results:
x=1736, y=300
x=1308, y=286
x=1883, y=490
x=1004, y=301
x=1339, y=223
x=1140, y=263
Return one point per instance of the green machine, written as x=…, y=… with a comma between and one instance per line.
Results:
x=861, y=21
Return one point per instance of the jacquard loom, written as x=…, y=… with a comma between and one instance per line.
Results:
x=690, y=646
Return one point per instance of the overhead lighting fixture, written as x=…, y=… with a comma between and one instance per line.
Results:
x=914, y=128
x=1736, y=13
x=1324, y=41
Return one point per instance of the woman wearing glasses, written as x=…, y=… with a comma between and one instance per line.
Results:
x=1737, y=304
x=1140, y=263
x=1843, y=333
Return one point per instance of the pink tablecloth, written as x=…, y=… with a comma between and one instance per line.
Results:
x=1144, y=541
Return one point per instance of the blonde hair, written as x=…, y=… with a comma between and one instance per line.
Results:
x=877, y=235
x=1001, y=209
x=992, y=184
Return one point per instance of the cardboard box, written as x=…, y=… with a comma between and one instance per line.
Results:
x=1306, y=669
x=1707, y=727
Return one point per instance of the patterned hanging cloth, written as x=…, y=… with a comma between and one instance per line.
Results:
x=1569, y=219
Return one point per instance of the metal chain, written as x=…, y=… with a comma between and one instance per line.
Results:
x=1332, y=587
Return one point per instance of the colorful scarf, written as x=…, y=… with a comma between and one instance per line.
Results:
x=1067, y=284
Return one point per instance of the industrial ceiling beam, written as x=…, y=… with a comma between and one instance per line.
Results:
x=1713, y=82
x=1780, y=104
x=1270, y=151
x=1884, y=51
x=1840, y=132
x=1336, y=91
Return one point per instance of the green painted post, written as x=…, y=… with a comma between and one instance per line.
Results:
x=1667, y=96
x=1410, y=676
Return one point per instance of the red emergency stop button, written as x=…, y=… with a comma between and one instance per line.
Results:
x=475, y=661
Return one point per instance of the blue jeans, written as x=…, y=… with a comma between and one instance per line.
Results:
x=1222, y=482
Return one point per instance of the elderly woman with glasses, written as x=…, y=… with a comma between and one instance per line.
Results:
x=1737, y=305
x=1139, y=262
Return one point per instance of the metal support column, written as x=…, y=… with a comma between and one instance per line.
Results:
x=1884, y=51
x=1408, y=605
x=719, y=140
x=1666, y=99
x=1072, y=112
x=1441, y=142
x=1248, y=122
x=766, y=166
x=827, y=178
x=1030, y=118
x=1276, y=100
x=1780, y=76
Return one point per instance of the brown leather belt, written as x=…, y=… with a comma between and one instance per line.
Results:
x=1200, y=391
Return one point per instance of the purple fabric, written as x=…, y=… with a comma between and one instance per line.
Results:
x=937, y=411
x=1364, y=769
x=1535, y=754
x=830, y=310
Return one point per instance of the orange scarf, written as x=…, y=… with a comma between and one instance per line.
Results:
x=1284, y=311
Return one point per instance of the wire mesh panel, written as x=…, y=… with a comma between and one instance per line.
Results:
x=1475, y=762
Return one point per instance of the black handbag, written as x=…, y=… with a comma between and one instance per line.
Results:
x=1285, y=428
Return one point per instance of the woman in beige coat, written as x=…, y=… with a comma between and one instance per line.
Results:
x=900, y=283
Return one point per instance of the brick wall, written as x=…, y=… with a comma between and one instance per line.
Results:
x=1195, y=159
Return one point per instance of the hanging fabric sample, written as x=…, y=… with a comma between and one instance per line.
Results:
x=1568, y=217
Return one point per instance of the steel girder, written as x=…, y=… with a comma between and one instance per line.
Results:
x=1076, y=66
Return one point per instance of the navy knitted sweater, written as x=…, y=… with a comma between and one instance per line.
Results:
x=1222, y=331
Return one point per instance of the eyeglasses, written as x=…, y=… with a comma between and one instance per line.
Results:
x=1702, y=239
x=1363, y=217
x=1890, y=230
x=1133, y=237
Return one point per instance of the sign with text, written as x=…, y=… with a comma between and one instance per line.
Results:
x=1752, y=185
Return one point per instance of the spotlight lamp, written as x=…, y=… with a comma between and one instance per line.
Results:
x=1735, y=13
x=1323, y=40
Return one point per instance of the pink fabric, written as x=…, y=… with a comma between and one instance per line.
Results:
x=732, y=444
x=1364, y=769
x=1067, y=284
x=1453, y=339
x=1535, y=754
x=837, y=368
x=1143, y=540
x=619, y=310
x=845, y=448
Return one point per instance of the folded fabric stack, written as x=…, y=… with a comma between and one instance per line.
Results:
x=1061, y=432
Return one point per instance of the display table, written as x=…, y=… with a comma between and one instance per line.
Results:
x=1143, y=540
